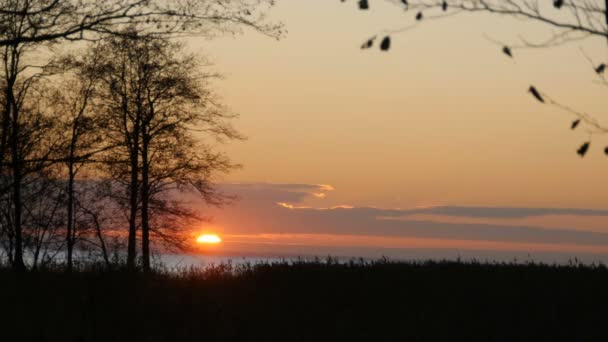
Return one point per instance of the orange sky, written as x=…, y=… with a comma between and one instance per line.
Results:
x=443, y=119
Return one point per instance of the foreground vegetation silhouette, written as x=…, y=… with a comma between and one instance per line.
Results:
x=310, y=301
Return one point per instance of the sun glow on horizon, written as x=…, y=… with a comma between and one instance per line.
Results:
x=209, y=239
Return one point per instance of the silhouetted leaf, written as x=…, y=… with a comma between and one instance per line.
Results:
x=600, y=68
x=536, y=94
x=405, y=3
x=363, y=4
x=444, y=5
x=583, y=149
x=575, y=123
x=386, y=44
x=507, y=51
x=419, y=16
x=369, y=43
x=558, y=3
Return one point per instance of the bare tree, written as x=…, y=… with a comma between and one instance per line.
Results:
x=570, y=20
x=24, y=134
x=155, y=100
x=177, y=104
x=120, y=94
x=81, y=140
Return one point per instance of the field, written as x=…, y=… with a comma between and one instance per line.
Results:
x=311, y=301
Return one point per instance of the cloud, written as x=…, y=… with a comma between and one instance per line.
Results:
x=497, y=212
x=273, y=193
x=275, y=209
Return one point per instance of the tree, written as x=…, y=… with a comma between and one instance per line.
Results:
x=25, y=144
x=176, y=104
x=49, y=21
x=572, y=20
x=81, y=140
x=154, y=100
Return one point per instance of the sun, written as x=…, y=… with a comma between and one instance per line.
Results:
x=209, y=239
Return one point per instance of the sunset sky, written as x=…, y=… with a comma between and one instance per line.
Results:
x=353, y=152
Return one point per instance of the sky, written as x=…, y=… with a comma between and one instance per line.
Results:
x=434, y=147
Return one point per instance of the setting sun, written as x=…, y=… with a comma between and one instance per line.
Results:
x=209, y=239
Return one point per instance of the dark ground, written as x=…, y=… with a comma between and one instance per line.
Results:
x=379, y=301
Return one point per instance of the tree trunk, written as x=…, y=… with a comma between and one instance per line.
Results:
x=18, y=264
x=70, y=225
x=132, y=139
x=133, y=194
x=16, y=164
x=6, y=119
x=6, y=113
x=145, y=200
x=102, y=243
x=11, y=239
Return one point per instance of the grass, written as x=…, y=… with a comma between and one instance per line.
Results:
x=310, y=301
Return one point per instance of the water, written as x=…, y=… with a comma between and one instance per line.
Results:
x=184, y=261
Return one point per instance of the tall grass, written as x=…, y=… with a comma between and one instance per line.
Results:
x=309, y=300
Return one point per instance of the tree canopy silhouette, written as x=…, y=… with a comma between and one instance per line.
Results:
x=32, y=146
x=50, y=21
